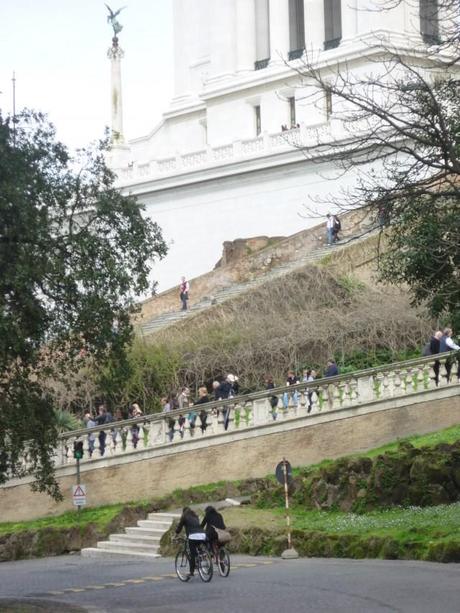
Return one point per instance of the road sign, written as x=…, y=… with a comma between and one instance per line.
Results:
x=79, y=495
x=279, y=472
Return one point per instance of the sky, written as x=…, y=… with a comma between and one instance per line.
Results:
x=58, y=52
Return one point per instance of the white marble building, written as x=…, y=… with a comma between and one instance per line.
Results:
x=219, y=166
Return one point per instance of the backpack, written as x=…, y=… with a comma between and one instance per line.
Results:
x=427, y=349
x=337, y=224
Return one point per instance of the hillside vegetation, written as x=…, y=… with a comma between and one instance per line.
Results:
x=295, y=322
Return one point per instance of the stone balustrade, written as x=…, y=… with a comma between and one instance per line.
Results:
x=259, y=146
x=254, y=411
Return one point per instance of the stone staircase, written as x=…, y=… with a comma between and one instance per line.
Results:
x=142, y=540
x=232, y=291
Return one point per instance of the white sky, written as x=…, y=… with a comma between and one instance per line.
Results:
x=58, y=50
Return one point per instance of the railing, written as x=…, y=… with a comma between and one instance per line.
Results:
x=253, y=147
x=252, y=411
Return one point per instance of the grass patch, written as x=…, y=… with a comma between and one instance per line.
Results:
x=415, y=522
x=100, y=517
x=431, y=533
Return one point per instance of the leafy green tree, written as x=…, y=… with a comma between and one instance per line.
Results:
x=74, y=253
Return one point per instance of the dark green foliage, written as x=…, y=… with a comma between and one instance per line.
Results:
x=73, y=254
x=424, y=248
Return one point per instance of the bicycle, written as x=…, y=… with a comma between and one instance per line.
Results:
x=203, y=560
x=220, y=557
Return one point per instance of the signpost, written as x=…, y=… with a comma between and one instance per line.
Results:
x=283, y=473
x=79, y=495
x=78, y=491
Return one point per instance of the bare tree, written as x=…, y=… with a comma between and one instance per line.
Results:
x=397, y=125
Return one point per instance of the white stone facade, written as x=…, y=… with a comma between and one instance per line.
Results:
x=219, y=166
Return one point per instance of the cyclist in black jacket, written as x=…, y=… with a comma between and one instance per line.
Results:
x=212, y=519
x=191, y=522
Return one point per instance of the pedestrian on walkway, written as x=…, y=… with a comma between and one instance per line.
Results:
x=270, y=385
x=329, y=229
x=184, y=292
x=291, y=379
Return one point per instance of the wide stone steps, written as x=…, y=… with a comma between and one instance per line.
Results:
x=232, y=291
x=226, y=293
x=142, y=540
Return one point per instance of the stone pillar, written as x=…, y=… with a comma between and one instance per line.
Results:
x=181, y=58
x=279, y=31
x=223, y=43
x=245, y=35
x=314, y=25
x=349, y=19
x=115, y=54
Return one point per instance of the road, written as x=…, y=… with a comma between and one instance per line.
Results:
x=70, y=584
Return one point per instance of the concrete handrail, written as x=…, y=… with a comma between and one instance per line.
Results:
x=243, y=399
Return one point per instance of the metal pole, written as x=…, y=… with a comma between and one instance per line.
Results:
x=286, y=496
x=78, y=482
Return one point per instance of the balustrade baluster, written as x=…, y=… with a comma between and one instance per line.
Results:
x=334, y=396
x=70, y=442
x=97, y=446
x=110, y=442
x=158, y=433
x=322, y=397
x=86, y=455
x=302, y=398
x=62, y=454
x=129, y=440
x=144, y=431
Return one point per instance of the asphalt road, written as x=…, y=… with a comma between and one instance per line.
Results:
x=70, y=584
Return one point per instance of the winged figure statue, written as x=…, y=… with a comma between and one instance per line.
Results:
x=112, y=19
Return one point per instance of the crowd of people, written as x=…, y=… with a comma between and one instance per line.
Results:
x=193, y=413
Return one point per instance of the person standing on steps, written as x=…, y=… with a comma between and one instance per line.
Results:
x=184, y=290
x=336, y=228
x=329, y=229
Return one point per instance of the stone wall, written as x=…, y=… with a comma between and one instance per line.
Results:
x=238, y=455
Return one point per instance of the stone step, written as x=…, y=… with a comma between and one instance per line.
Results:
x=153, y=525
x=164, y=516
x=134, y=539
x=162, y=523
x=127, y=547
x=232, y=291
x=94, y=552
x=136, y=531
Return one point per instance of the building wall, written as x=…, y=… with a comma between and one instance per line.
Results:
x=196, y=219
x=216, y=92
x=237, y=455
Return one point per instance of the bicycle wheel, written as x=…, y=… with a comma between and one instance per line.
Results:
x=182, y=566
x=223, y=562
x=204, y=563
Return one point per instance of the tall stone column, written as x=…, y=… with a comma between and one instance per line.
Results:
x=115, y=55
x=350, y=19
x=245, y=35
x=223, y=39
x=279, y=31
x=314, y=25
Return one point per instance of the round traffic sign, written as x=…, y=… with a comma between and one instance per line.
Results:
x=279, y=472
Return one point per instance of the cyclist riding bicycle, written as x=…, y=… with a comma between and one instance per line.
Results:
x=212, y=519
x=191, y=522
